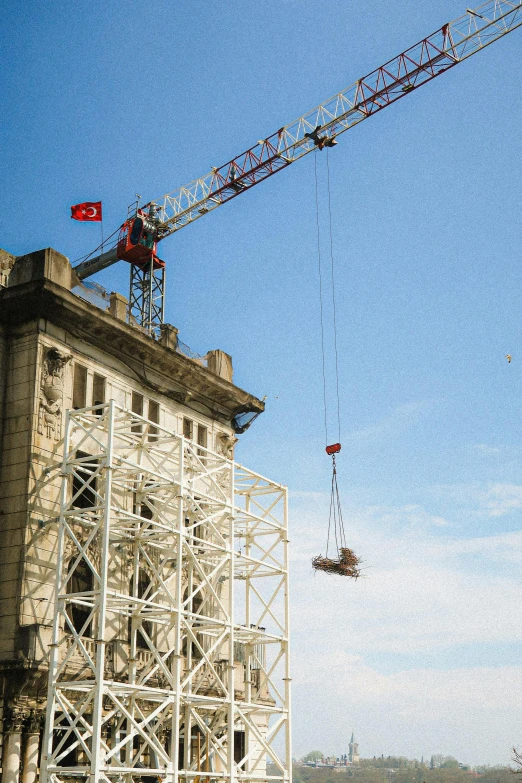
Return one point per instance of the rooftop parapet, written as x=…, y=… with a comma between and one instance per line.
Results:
x=39, y=286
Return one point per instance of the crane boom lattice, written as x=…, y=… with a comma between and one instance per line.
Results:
x=451, y=44
x=418, y=65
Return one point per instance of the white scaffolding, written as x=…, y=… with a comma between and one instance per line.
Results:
x=170, y=642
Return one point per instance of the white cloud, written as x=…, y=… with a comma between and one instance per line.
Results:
x=500, y=499
x=472, y=713
x=398, y=420
x=484, y=448
x=411, y=515
x=426, y=594
x=496, y=499
x=506, y=547
x=420, y=592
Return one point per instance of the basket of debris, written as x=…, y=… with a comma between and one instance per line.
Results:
x=347, y=564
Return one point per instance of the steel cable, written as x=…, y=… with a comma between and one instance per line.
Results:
x=320, y=295
x=333, y=299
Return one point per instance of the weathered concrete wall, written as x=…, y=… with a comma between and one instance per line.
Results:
x=45, y=331
x=44, y=264
x=3, y=376
x=33, y=400
x=18, y=407
x=31, y=558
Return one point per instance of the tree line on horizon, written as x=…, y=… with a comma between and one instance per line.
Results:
x=399, y=769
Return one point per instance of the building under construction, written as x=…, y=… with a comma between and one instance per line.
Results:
x=144, y=573
x=144, y=601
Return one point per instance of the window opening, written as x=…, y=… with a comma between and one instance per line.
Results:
x=239, y=748
x=199, y=752
x=143, y=591
x=202, y=436
x=81, y=581
x=84, y=481
x=79, y=386
x=70, y=759
x=193, y=607
x=154, y=417
x=143, y=507
x=137, y=407
x=188, y=426
x=98, y=391
x=202, y=440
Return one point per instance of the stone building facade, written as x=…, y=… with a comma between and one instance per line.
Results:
x=58, y=353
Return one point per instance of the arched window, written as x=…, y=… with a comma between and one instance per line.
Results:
x=80, y=581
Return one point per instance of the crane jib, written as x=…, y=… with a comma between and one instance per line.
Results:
x=452, y=43
x=433, y=55
x=380, y=88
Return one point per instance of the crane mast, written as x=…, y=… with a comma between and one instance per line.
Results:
x=319, y=128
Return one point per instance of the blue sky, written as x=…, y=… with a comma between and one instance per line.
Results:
x=106, y=99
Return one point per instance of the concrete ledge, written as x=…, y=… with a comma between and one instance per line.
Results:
x=44, y=264
x=160, y=367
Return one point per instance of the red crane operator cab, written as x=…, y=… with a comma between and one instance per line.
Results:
x=137, y=241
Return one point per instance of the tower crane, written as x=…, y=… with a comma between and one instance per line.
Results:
x=148, y=224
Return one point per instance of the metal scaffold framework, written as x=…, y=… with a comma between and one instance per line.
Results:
x=170, y=640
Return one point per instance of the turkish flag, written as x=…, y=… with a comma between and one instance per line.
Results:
x=89, y=210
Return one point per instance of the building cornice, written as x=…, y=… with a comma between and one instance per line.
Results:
x=158, y=366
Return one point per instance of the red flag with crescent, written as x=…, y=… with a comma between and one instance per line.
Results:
x=89, y=210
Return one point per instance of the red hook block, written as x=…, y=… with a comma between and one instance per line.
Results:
x=335, y=448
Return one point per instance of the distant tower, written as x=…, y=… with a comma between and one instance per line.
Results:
x=353, y=751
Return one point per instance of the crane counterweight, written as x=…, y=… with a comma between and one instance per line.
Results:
x=137, y=241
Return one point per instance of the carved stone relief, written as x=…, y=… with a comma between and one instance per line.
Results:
x=51, y=393
x=226, y=444
x=35, y=721
x=15, y=718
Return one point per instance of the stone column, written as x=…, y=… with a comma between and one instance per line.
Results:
x=32, y=748
x=118, y=306
x=169, y=336
x=220, y=363
x=13, y=746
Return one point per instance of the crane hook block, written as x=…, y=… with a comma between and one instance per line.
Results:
x=335, y=448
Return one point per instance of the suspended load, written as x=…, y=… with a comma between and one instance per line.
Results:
x=342, y=560
x=346, y=564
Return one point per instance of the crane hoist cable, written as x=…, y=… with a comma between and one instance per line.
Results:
x=341, y=560
x=321, y=301
x=321, y=307
x=334, y=312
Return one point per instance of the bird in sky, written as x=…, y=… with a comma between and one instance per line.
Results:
x=509, y=357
